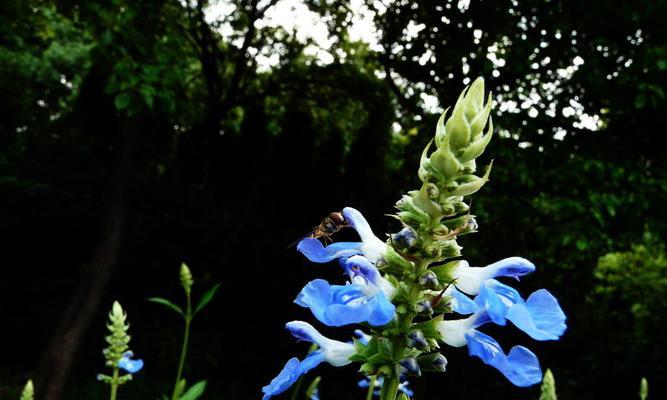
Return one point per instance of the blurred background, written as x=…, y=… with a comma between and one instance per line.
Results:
x=135, y=135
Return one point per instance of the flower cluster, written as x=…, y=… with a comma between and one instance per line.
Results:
x=118, y=355
x=401, y=289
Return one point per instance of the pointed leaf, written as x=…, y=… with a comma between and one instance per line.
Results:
x=167, y=303
x=207, y=297
x=195, y=391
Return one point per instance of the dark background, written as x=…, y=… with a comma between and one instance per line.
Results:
x=135, y=137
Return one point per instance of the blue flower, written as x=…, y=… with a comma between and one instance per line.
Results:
x=520, y=366
x=129, y=365
x=365, y=300
x=540, y=316
x=402, y=387
x=337, y=305
x=370, y=246
x=331, y=351
x=469, y=279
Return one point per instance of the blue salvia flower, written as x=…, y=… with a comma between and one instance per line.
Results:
x=470, y=279
x=366, y=299
x=338, y=305
x=520, y=366
x=331, y=351
x=370, y=246
x=132, y=366
x=540, y=317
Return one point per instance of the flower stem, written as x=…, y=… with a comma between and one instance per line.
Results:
x=184, y=348
x=114, y=383
x=297, y=388
x=389, y=388
x=371, y=388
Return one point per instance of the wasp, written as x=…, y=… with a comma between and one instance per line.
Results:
x=331, y=224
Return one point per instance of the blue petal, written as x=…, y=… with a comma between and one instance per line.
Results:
x=382, y=310
x=513, y=267
x=316, y=252
x=461, y=303
x=496, y=298
x=129, y=365
x=520, y=367
x=540, y=317
x=290, y=373
x=360, y=266
x=336, y=305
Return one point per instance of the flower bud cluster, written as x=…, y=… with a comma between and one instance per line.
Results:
x=448, y=174
x=28, y=392
x=117, y=353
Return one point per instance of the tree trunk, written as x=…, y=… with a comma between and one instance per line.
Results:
x=57, y=360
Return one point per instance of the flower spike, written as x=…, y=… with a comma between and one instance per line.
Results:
x=402, y=289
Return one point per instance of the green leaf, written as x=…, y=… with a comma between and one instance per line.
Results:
x=167, y=303
x=195, y=391
x=147, y=94
x=207, y=297
x=312, y=388
x=122, y=101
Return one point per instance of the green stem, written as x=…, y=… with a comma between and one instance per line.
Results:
x=297, y=388
x=114, y=383
x=184, y=348
x=371, y=388
x=389, y=388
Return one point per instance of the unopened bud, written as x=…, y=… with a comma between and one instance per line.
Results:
x=405, y=238
x=410, y=366
x=186, y=277
x=416, y=339
x=424, y=307
x=429, y=280
x=440, y=363
x=28, y=391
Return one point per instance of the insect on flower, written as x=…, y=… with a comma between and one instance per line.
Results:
x=331, y=224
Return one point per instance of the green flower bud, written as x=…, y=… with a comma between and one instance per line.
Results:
x=118, y=339
x=186, y=277
x=476, y=148
x=422, y=200
x=444, y=161
x=457, y=127
x=643, y=388
x=473, y=184
x=548, y=390
x=410, y=214
x=28, y=391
